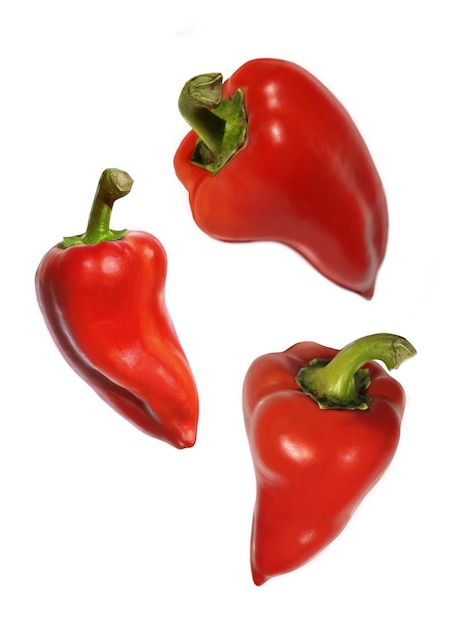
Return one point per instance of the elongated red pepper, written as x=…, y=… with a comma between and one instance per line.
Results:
x=318, y=443
x=102, y=298
x=274, y=156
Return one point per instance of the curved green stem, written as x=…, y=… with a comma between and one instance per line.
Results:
x=219, y=123
x=198, y=96
x=340, y=382
x=113, y=184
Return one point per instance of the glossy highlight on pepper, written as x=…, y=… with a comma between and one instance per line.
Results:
x=323, y=426
x=274, y=156
x=102, y=298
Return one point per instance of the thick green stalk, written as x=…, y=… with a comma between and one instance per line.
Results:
x=198, y=97
x=219, y=123
x=340, y=382
x=113, y=184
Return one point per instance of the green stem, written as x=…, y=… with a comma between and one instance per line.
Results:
x=199, y=95
x=113, y=184
x=340, y=382
x=219, y=123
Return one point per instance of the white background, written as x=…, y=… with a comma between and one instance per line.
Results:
x=101, y=524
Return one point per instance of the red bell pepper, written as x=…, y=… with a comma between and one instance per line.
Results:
x=314, y=459
x=274, y=156
x=102, y=298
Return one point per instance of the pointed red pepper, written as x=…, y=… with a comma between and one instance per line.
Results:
x=274, y=156
x=318, y=443
x=102, y=298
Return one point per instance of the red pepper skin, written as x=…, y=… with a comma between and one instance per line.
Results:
x=304, y=177
x=105, y=308
x=312, y=466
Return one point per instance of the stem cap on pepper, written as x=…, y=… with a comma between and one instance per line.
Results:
x=340, y=383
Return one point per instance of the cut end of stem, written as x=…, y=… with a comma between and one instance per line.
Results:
x=402, y=351
x=120, y=180
x=206, y=89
